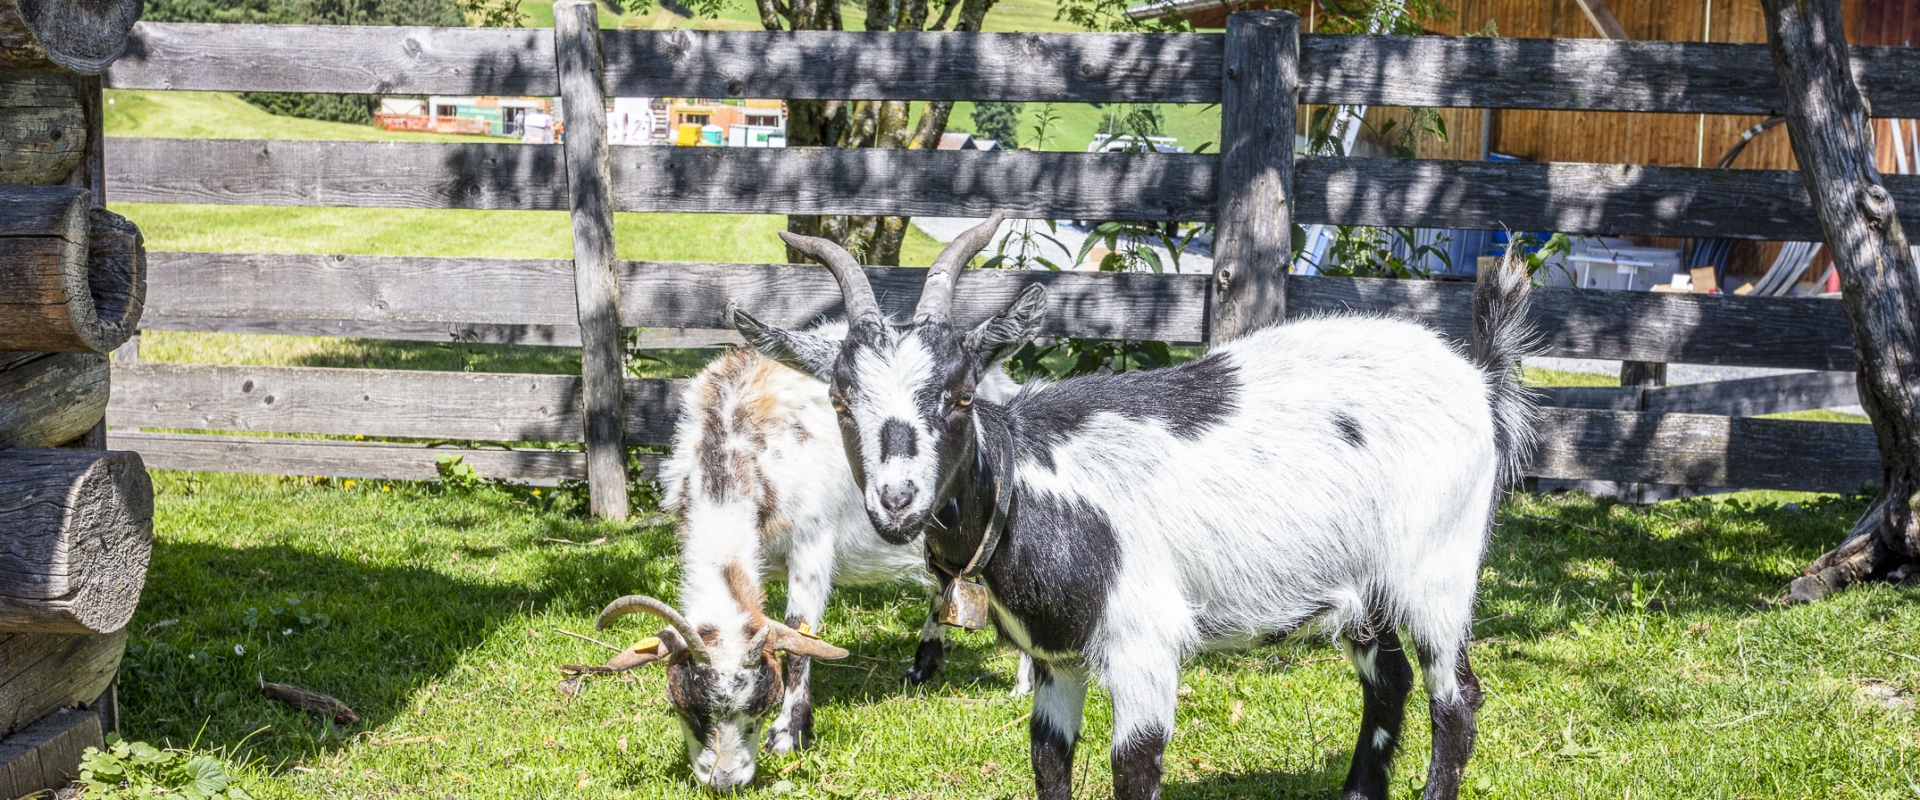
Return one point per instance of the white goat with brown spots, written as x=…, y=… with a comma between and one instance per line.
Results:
x=760, y=485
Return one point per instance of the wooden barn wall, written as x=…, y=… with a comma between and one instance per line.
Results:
x=1655, y=139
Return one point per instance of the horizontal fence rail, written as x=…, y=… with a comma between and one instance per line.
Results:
x=1435, y=71
x=215, y=453
x=413, y=404
x=1595, y=199
x=1576, y=444
x=246, y=293
x=1705, y=451
x=1739, y=397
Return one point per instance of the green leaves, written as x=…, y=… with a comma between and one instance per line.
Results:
x=140, y=770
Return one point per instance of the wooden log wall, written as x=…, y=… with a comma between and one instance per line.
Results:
x=75, y=521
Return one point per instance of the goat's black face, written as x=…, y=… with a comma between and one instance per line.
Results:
x=904, y=395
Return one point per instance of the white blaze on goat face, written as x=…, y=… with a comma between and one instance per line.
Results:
x=902, y=396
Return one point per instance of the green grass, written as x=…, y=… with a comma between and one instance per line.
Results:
x=456, y=232
x=435, y=614
x=223, y=115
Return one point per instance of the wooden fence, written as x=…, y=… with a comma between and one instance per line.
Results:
x=1614, y=435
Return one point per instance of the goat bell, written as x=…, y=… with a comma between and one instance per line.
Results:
x=965, y=605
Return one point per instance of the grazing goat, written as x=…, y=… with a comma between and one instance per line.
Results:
x=759, y=482
x=1339, y=471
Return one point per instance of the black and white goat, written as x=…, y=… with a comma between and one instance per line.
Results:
x=760, y=484
x=1338, y=471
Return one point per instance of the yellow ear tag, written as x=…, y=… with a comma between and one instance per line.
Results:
x=646, y=645
x=805, y=630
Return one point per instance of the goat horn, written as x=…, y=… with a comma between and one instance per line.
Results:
x=641, y=603
x=937, y=297
x=853, y=280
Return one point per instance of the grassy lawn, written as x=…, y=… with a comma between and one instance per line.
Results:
x=1625, y=651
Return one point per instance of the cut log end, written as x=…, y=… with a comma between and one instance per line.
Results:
x=80, y=530
x=73, y=278
x=116, y=278
x=83, y=36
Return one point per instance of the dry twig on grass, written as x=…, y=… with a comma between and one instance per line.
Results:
x=587, y=639
x=315, y=703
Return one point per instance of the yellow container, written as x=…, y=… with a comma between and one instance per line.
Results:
x=688, y=135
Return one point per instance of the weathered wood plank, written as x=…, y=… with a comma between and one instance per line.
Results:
x=52, y=400
x=1574, y=74
x=1603, y=398
x=1474, y=72
x=78, y=528
x=43, y=672
x=1253, y=240
x=400, y=403
x=1700, y=450
x=339, y=59
x=576, y=43
x=1099, y=305
x=1598, y=199
x=380, y=460
x=1752, y=397
x=1794, y=333
x=1578, y=444
x=46, y=756
x=467, y=333
x=828, y=65
x=951, y=183
x=446, y=294
x=362, y=174
x=1574, y=198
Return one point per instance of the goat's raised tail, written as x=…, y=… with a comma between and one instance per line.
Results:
x=1501, y=336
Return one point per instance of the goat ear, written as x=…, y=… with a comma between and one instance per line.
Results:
x=1009, y=330
x=788, y=640
x=806, y=352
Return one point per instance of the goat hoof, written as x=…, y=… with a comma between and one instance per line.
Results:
x=919, y=674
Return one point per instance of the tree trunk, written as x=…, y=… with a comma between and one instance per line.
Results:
x=1880, y=285
x=872, y=123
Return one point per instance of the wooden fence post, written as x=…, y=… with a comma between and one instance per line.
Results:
x=576, y=47
x=1253, y=239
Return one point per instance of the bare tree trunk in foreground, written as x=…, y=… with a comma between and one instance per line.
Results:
x=1880, y=285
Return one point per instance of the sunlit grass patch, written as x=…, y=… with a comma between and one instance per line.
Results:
x=1623, y=649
